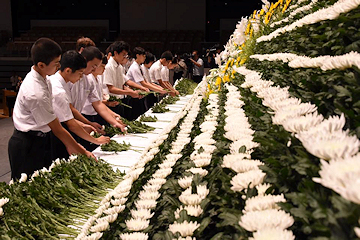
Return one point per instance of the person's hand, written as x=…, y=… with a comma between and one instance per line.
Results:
x=134, y=94
x=102, y=140
x=118, y=119
x=90, y=155
x=112, y=103
x=163, y=91
x=88, y=128
x=138, y=93
x=121, y=126
x=177, y=92
x=98, y=127
x=173, y=94
x=146, y=89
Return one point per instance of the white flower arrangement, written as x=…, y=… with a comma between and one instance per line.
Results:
x=185, y=228
x=328, y=13
x=270, y=218
x=137, y=224
x=192, y=210
x=260, y=202
x=324, y=62
x=251, y=178
x=134, y=236
x=273, y=234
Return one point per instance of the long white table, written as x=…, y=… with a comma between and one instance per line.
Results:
x=125, y=159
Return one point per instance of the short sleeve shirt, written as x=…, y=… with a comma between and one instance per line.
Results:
x=165, y=74
x=61, y=97
x=114, y=75
x=155, y=71
x=145, y=72
x=135, y=73
x=82, y=90
x=33, y=108
x=198, y=71
x=88, y=108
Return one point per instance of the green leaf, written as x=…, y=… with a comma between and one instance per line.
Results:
x=204, y=223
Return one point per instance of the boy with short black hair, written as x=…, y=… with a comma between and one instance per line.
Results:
x=115, y=78
x=34, y=117
x=155, y=72
x=85, y=89
x=72, y=67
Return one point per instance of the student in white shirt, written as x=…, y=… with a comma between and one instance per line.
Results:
x=155, y=72
x=198, y=67
x=116, y=80
x=85, y=89
x=72, y=67
x=34, y=115
x=145, y=69
x=135, y=74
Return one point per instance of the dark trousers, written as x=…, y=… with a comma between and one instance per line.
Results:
x=197, y=79
x=138, y=108
x=28, y=152
x=58, y=149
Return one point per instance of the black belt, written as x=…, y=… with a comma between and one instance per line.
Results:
x=34, y=133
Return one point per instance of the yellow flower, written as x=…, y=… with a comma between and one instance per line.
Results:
x=227, y=65
x=247, y=31
x=281, y=2
x=251, y=32
x=232, y=62
x=243, y=61
x=262, y=12
x=226, y=79
x=218, y=81
x=276, y=5
x=254, y=14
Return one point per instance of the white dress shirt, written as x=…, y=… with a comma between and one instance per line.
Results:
x=155, y=71
x=165, y=72
x=134, y=73
x=198, y=71
x=145, y=72
x=88, y=108
x=114, y=75
x=61, y=98
x=33, y=108
x=82, y=90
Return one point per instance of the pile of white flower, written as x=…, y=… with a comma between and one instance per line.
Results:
x=329, y=13
x=201, y=156
x=324, y=62
x=323, y=138
x=114, y=202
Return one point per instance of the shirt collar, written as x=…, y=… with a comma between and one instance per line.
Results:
x=113, y=62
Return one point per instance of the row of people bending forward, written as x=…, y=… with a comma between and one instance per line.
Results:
x=65, y=97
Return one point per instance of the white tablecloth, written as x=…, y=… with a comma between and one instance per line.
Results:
x=125, y=159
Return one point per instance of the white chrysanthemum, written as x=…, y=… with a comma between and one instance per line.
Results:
x=207, y=149
x=100, y=227
x=206, y=141
x=185, y=228
x=235, y=146
x=244, y=165
x=142, y=214
x=3, y=201
x=271, y=218
x=23, y=178
x=202, y=191
x=302, y=123
x=292, y=112
x=151, y=188
x=237, y=135
x=134, y=236
x=124, y=186
x=251, y=178
x=72, y=157
x=1, y=212
x=134, y=174
x=262, y=188
x=330, y=125
x=192, y=210
x=155, y=181
x=277, y=105
x=146, y=203
x=328, y=146
x=200, y=171
x=102, y=207
x=118, y=201
x=167, y=164
x=188, y=198
x=94, y=236
x=110, y=218
x=274, y=92
x=273, y=234
x=203, y=136
x=185, y=182
x=202, y=162
x=342, y=176
x=137, y=224
x=117, y=195
x=259, y=203
x=162, y=173
x=115, y=209
x=143, y=195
